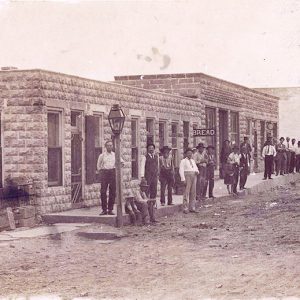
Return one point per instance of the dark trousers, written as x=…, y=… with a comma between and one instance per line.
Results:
x=108, y=179
x=298, y=163
x=152, y=190
x=268, y=166
x=166, y=181
x=243, y=177
x=201, y=183
x=280, y=166
x=287, y=162
x=292, y=162
x=235, y=179
x=210, y=183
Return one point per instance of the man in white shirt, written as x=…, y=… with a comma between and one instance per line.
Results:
x=188, y=173
x=107, y=168
x=268, y=153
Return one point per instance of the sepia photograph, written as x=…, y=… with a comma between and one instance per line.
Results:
x=150, y=150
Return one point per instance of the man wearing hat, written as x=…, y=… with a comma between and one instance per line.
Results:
x=281, y=157
x=143, y=204
x=150, y=170
x=244, y=167
x=210, y=171
x=188, y=171
x=201, y=160
x=166, y=175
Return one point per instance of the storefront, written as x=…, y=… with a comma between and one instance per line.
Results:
x=54, y=127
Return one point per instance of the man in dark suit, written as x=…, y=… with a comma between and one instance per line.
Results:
x=244, y=167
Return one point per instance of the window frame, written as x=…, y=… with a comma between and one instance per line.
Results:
x=165, y=139
x=60, y=181
x=150, y=134
x=186, y=135
x=236, y=133
x=175, y=156
x=99, y=150
x=135, y=148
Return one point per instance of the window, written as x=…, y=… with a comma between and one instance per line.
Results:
x=162, y=134
x=98, y=142
x=54, y=149
x=186, y=134
x=248, y=127
x=210, y=119
x=150, y=131
x=134, y=149
x=174, y=137
x=234, y=127
x=195, y=126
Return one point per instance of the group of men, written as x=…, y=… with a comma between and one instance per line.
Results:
x=281, y=158
x=153, y=169
x=196, y=171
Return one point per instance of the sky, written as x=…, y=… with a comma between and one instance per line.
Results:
x=255, y=43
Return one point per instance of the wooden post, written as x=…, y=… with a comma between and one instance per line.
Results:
x=119, y=194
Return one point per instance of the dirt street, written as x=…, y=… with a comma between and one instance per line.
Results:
x=243, y=248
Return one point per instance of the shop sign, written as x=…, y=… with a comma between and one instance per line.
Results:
x=204, y=132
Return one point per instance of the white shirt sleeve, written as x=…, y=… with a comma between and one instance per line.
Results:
x=181, y=170
x=264, y=152
x=143, y=164
x=100, y=162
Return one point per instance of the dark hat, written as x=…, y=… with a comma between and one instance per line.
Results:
x=165, y=148
x=144, y=183
x=282, y=138
x=188, y=149
x=200, y=145
x=150, y=144
x=210, y=147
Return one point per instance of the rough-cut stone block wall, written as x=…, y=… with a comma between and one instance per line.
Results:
x=24, y=123
x=27, y=149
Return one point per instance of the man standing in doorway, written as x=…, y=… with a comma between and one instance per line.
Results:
x=268, y=153
x=106, y=167
x=150, y=172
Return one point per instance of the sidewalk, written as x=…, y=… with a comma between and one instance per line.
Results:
x=254, y=184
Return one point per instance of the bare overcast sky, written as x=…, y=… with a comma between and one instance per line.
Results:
x=252, y=42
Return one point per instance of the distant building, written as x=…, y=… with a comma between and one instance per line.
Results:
x=289, y=108
x=53, y=126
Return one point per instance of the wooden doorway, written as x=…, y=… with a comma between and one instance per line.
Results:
x=76, y=158
x=223, y=127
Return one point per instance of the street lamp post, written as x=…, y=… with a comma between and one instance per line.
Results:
x=116, y=118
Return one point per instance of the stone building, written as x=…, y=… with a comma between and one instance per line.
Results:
x=53, y=126
x=235, y=111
